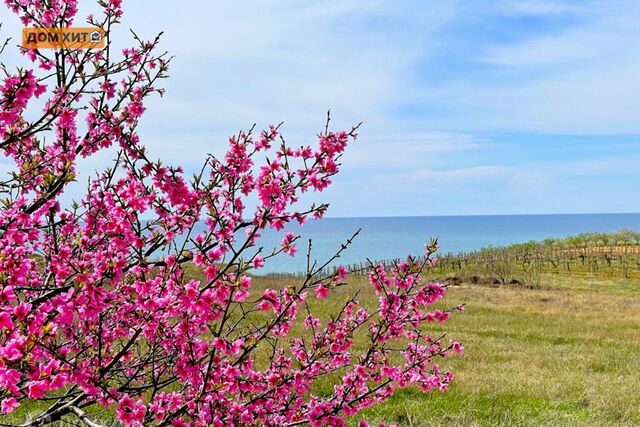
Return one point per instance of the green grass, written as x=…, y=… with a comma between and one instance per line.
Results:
x=565, y=353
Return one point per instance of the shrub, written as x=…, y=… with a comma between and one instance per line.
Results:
x=96, y=306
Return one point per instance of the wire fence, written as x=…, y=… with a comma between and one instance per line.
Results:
x=527, y=263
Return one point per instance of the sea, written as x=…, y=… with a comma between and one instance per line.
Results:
x=384, y=238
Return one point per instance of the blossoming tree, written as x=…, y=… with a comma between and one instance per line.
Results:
x=98, y=311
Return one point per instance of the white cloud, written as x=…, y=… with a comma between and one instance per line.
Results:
x=403, y=151
x=539, y=7
x=471, y=174
x=563, y=50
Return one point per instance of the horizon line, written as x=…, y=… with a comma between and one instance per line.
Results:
x=480, y=215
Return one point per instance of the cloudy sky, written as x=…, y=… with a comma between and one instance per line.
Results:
x=469, y=107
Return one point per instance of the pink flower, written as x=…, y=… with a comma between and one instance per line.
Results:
x=287, y=244
x=11, y=351
x=130, y=412
x=22, y=310
x=241, y=296
x=135, y=110
x=322, y=291
x=8, y=405
x=291, y=250
x=270, y=298
x=67, y=119
x=311, y=322
x=109, y=89
x=36, y=389
x=258, y=262
x=66, y=315
x=7, y=295
x=458, y=348
x=245, y=282
x=5, y=321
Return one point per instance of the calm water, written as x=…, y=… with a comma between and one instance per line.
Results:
x=387, y=238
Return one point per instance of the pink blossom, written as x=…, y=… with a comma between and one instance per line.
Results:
x=139, y=296
x=8, y=405
x=5, y=321
x=458, y=348
x=342, y=273
x=36, y=389
x=130, y=412
x=287, y=244
x=322, y=292
x=135, y=110
x=258, y=262
x=11, y=351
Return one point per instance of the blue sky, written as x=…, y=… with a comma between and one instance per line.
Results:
x=469, y=107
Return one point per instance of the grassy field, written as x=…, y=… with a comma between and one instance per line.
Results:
x=567, y=353
x=564, y=353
